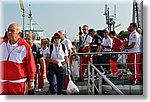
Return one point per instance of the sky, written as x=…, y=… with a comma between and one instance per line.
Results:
x=68, y=15
x=146, y=37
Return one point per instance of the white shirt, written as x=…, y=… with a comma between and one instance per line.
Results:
x=87, y=40
x=141, y=43
x=45, y=52
x=67, y=43
x=134, y=37
x=14, y=53
x=107, y=42
x=58, y=53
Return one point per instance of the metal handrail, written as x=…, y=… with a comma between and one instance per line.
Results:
x=93, y=53
x=103, y=76
x=107, y=80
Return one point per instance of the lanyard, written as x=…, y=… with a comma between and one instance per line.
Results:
x=84, y=38
x=9, y=52
x=56, y=50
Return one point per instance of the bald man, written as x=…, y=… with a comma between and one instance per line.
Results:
x=17, y=63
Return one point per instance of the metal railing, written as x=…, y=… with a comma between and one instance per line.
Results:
x=91, y=84
x=100, y=81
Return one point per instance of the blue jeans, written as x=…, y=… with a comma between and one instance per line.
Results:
x=56, y=79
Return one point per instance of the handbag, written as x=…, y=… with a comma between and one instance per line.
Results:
x=71, y=88
x=63, y=65
x=57, y=67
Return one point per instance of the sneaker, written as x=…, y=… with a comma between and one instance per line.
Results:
x=135, y=82
x=38, y=90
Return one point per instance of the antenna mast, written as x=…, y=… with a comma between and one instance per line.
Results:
x=23, y=16
x=30, y=18
x=135, y=16
x=110, y=19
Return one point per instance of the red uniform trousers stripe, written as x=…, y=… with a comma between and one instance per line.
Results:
x=135, y=75
x=9, y=88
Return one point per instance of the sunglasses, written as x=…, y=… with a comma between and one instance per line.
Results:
x=56, y=38
x=27, y=39
x=44, y=43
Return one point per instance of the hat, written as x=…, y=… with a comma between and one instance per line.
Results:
x=61, y=32
x=57, y=35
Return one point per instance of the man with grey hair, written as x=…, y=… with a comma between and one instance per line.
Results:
x=39, y=60
x=17, y=63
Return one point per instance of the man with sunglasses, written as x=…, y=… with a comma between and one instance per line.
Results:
x=86, y=40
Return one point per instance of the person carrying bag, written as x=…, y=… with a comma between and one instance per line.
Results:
x=71, y=88
x=58, y=62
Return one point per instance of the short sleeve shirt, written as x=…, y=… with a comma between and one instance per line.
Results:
x=134, y=37
x=45, y=52
x=96, y=41
x=107, y=42
x=58, y=53
x=37, y=52
x=86, y=40
x=67, y=43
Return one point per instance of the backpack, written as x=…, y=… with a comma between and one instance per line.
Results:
x=51, y=48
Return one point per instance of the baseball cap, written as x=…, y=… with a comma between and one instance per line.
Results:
x=57, y=35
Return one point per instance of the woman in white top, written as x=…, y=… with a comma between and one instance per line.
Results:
x=58, y=61
x=45, y=50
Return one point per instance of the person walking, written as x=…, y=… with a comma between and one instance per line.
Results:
x=107, y=47
x=39, y=60
x=58, y=62
x=45, y=50
x=18, y=63
x=96, y=47
x=116, y=47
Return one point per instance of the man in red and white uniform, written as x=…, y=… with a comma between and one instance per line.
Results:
x=116, y=45
x=86, y=40
x=134, y=46
x=17, y=63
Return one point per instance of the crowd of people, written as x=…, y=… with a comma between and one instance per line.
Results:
x=24, y=62
x=92, y=42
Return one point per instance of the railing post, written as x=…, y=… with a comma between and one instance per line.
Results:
x=108, y=81
x=135, y=66
x=100, y=85
x=89, y=86
x=93, y=89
